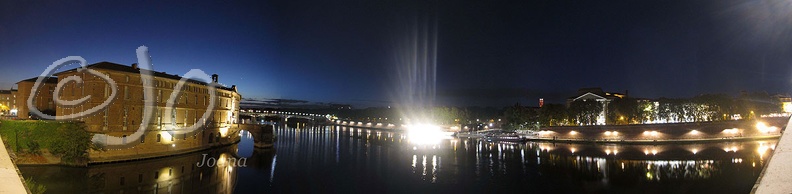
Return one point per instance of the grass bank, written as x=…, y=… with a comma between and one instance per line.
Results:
x=35, y=141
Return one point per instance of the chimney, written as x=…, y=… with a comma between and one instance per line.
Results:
x=134, y=66
x=214, y=78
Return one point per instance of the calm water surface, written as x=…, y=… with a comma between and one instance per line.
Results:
x=339, y=159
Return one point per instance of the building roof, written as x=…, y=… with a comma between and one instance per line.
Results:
x=5, y=91
x=49, y=80
x=597, y=92
x=129, y=69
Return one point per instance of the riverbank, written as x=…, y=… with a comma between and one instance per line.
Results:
x=722, y=131
x=364, y=126
x=128, y=158
x=768, y=128
x=775, y=176
x=660, y=141
x=46, y=159
x=60, y=143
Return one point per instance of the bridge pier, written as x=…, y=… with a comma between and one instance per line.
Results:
x=263, y=135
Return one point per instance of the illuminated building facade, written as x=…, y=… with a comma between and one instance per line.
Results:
x=786, y=103
x=124, y=114
x=42, y=99
x=8, y=105
x=596, y=94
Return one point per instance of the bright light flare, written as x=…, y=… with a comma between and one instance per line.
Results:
x=544, y=133
x=424, y=134
x=166, y=136
x=731, y=131
x=761, y=126
x=614, y=151
x=223, y=131
x=731, y=149
x=787, y=106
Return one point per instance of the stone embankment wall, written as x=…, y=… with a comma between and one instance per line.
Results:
x=677, y=131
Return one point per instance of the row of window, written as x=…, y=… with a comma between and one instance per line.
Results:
x=122, y=180
x=183, y=99
x=190, y=87
x=156, y=175
x=169, y=84
x=212, y=137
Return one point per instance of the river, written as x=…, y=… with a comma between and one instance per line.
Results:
x=338, y=159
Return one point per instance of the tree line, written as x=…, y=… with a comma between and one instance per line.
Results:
x=622, y=111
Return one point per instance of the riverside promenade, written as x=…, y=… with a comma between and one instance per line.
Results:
x=11, y=179
x=777, y=176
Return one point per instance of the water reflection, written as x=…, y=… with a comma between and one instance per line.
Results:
x=471, y=165
x=177, y=174
x=311, y=158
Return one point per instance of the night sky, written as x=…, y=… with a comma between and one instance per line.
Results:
x=489, y=53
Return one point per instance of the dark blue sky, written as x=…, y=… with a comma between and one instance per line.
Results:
x=489, y=53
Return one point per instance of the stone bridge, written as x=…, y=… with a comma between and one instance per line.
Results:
x=263, y=135
x=258, y=116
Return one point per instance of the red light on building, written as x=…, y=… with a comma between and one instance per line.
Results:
x=541, y=102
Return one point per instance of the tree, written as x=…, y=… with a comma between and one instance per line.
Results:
x=713, y=107
x=647, y=111
x=73, y=144
x=585, y=112
x=623, y=111
x=451, y=115
x=751, y=105
x=520, y=117
x=553, y=115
